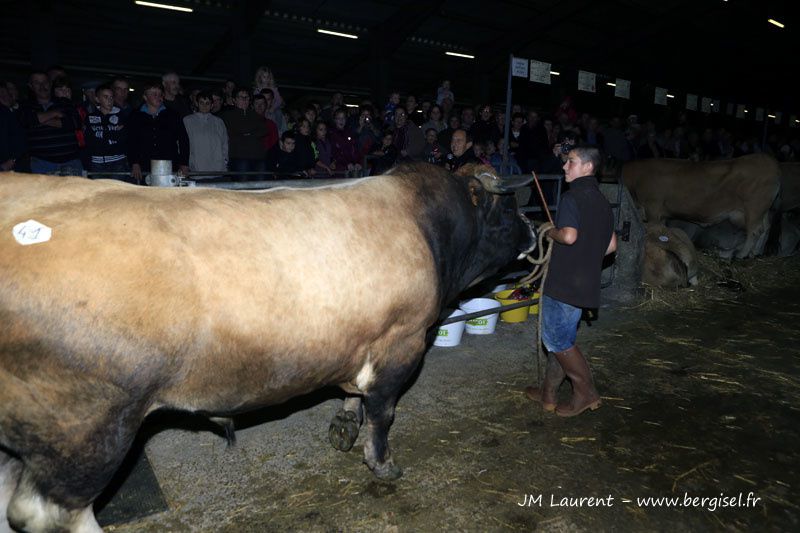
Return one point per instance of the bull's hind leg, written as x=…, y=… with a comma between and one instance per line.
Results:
x=10, y=469
x=32, y=511
x=345, y=424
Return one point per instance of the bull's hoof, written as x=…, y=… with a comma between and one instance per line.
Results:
x=343, y=430
x=388, y=471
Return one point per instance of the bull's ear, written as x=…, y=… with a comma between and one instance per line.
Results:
x=475, y=191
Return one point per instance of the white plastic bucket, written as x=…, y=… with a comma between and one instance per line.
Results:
x=450, y=335
x=483, y=325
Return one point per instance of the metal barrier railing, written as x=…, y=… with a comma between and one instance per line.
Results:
x=493, y=310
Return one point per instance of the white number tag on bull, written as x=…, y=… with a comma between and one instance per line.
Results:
x=31, y=232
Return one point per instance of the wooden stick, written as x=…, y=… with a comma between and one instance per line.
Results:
x=541, y=197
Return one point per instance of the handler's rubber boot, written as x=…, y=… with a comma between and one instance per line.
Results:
x=584, y=395
x=546, y=394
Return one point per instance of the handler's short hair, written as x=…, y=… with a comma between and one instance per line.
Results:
x=589, y=153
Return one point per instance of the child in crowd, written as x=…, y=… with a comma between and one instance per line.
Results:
x=322, y=150
x=444, y=92
x=496, y=158
x=432, y=153
x=387, y=153
x=389, y=108
x=480, y=152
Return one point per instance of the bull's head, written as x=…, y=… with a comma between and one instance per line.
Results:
x=506, y=233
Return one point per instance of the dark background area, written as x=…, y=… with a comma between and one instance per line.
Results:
x=712, y=48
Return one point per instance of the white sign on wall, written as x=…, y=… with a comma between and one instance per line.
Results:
x=540, y=72
x=623, y=89
x=661, y=96
x=691, y=102
x=587, y=81
x=705, y=104
x=740, y=110
x=715, y=106
x=519, y=67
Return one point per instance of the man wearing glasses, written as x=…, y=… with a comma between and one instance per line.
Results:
x=156, y=133
x=246, y=131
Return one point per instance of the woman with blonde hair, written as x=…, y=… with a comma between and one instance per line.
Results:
x=265, y=80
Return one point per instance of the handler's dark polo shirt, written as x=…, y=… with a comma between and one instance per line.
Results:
x=574, y=273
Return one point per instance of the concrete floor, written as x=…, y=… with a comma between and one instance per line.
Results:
x=701, y=399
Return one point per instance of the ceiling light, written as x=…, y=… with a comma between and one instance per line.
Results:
x=554, y=73
x=351, y=105
x=456, y=54
x=771, y=116
x=130, y=89
x=163, y=6
x=338, y=34
x=610, y=84
x=775, y=23
x=670, y=96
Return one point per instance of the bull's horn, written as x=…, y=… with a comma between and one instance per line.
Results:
x=505, y=185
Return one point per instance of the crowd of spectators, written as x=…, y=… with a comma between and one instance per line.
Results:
x=253, y=131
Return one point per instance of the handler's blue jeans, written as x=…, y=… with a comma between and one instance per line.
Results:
x=559, y=324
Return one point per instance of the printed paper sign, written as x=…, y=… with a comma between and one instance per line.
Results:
x=540, y=72
x=740, y=110
x=31, y=232
x=586, y=81
x=715, y=106
x=691, y=102
x=661, y=96
x=519, y=67
x=705, y=104
x=760, y=114
x=623, y=89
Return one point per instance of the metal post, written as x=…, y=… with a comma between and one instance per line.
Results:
x=507, y=127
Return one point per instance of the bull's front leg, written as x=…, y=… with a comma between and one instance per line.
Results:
x=10, y=469
x=345, y=424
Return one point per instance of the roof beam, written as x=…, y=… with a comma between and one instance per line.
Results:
x=242, y=25
x=385, y=38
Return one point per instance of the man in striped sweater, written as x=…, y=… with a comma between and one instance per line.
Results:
x=50, y=130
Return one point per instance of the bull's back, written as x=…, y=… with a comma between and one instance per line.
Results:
x=270, y=294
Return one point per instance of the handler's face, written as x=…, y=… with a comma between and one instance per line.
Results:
x=574, y=168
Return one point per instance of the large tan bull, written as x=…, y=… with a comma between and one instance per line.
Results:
x=124, y=300
x=740, y=191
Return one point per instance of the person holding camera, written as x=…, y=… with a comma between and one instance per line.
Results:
x=555, y=161
x=368, y=135
x=583, y=235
